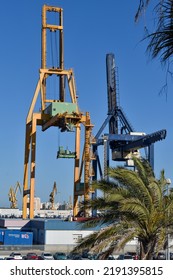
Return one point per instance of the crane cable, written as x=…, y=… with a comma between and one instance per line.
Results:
x=54, y=48
x=53, y=53
x=51, y=48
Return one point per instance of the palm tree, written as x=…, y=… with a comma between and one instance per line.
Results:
x=135, y=205
x=161, y=40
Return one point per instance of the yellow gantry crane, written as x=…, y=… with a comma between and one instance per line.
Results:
x=58, y=113
x=13, y=195
x=52, y=196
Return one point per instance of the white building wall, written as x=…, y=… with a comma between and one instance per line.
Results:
x=68, y=237
x=51, y=213
x=7, y=212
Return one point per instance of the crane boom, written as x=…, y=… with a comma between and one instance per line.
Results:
x=118, y=122
x=111, y=83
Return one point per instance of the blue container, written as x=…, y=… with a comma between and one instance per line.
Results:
x=17, y=237
x=2, y=236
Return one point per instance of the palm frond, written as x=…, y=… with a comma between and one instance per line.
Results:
x=136, y=209
x=132, y=204
x=141, y=8
x=161, y=40
x=131, y=181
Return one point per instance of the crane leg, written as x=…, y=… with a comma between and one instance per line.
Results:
x=26, y=163
x=76, y=170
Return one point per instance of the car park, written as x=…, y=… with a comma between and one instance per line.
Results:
x=47, y=256
x=60, y=256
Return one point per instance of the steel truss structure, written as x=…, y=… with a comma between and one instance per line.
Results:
x=58, y=113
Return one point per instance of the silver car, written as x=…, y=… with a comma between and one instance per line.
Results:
x=47, y=256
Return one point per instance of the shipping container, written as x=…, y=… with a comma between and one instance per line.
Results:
x=1, y=236
x=17, y=237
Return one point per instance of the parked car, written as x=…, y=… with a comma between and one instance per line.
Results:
x=125, y=257
x=16, y=255
x=101, y=256
x=134, y=255
x=159, y=256
x=92, y=256
x=85, y=254
x=31, y=256
x=74, y=256
x=60, y=256
x=47, y=256
x=171, y=256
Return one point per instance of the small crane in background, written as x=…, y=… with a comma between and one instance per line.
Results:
x=52, y=196
x=13, y=195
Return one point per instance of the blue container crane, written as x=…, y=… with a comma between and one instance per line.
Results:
x=121, y=138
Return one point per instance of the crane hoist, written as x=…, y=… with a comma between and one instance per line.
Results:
x=56, y=112
x=13, y=195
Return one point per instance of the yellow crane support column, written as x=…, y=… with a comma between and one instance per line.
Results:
x=43, y=51
x=30, y=148
x=76, y=170
x=32, y=179
x=26, y=168
x=88, y=129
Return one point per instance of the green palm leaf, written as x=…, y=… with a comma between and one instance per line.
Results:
x=132, y=204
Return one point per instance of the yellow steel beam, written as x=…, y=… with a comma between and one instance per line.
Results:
x=87, y=160
x=52, y=9
x=56, y=71
x=53, y=27
x=30, y=150
x=26, y=168
x=72, y=87
x=34, y=100
x=76, y=169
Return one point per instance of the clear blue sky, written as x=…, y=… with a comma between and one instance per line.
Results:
x=92, y=29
